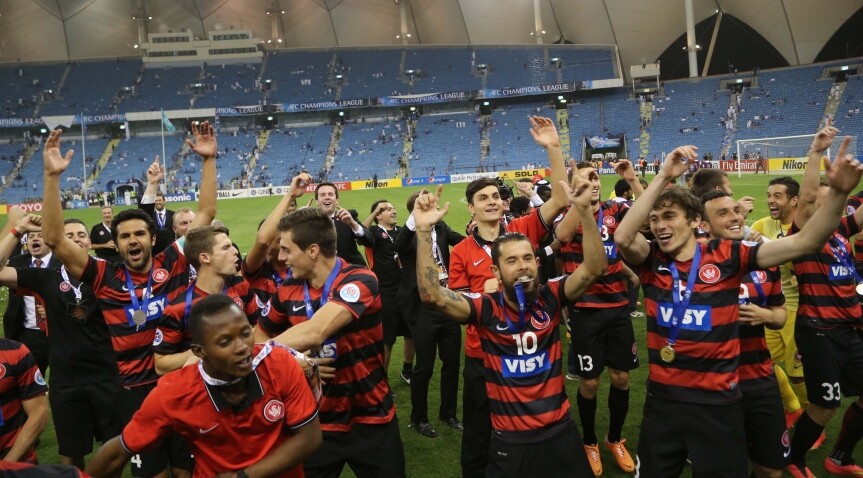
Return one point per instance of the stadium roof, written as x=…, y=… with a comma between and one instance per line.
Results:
x=45, y=30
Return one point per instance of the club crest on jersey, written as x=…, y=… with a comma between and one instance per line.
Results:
x=38, y=378
x=760, y=277
x=786, y=440
x=157, y=339
x=540, y=325
x=608, y=221
x=2, y=370
x=709, y=273
x=350, y=293
x=238, y=301
x=65, y=287
x=274, y=410
x=160, y=275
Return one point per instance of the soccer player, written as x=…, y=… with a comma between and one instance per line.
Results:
x=710, y=179
x=761, y=306
x=533, y=432
x=348, y=231
x=131, y=315
x=23, y=405
x=384, y=261
x=332, y=307
x=246, y=409
x=691, y=297
x=470, y=271
x=84, y=379
x=827, y=325
x=601, y=328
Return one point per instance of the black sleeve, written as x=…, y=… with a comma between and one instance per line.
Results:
x=452, y=237
x=404, y=242
x=148, y=208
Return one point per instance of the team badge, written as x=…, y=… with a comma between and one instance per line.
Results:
x=38, y=378
x=274, y=410
x=350, y=293
x=634, y=349
x=157, y=339
x=761, y=277
x=540, y=325
x=709, y=273
x=2, y=370
x=65, y=287
x=160, y=275
x=786, y=440
x=101, y=233
x=608, y=221
x=238, y=301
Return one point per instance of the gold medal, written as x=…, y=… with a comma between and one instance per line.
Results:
x=139, y=317
x=667, y=354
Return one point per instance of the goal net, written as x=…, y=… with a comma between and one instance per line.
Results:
x=783, y=155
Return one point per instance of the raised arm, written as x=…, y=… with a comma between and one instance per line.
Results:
x=811, y=175
x=545, y=134
x=155, y=174
x=23, y=225
x=205, y=146
x=367, y=222
x=268, y=230
x=595, y=260
x=626, y=171
x=426, y=214
x=842, y=176
x=53, y=232
x=630, y=242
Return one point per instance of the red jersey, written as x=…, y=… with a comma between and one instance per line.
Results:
x=173, y=335
x=828, y=294
x=756, y=366
x=610, y=290
x=707, y=348
x=20, y=380
x=132, y=343
x=470, y=265
x=224, y=438
x=523, y=367
x=359, y=393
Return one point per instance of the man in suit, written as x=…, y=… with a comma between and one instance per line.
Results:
x=22, y=322
x=163, y=216
x=102, y=240
x=349, y=232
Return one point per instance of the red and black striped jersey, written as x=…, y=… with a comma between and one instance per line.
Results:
x=266, y=280
x=610, y=290
x=707, y=347
x=225, y=438
x=523, y=368
x=854, y=202
x=470, y=265
x=756, y=366
x=173, y=335
x=20, y=380
x=828, y=294
x=134, y=344
x=359, y=393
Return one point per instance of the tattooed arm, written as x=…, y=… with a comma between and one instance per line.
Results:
x=426, y=214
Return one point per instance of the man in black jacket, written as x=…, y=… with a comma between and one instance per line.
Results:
x=432, y=331
x=349, y=232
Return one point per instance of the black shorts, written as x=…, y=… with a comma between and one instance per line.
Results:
x=766, y=436
x=370, y=450
x=392, y=319
x=832, y=363
x=712, y=436
x=602, y=338
x=555, y=456
x=174, y=451
x=82, y=413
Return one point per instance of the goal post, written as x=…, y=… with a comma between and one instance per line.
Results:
x=780, y=155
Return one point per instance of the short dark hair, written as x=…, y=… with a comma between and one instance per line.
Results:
x=129, y=215
x=710, y=196
x=160, y=195
x=326, y=183
x=74, y=220
x=679, y=196
x=506, y=239
x=541, y=189
x=519, y=206
x=311, y=226
x=375, y=206
x=413, y=199
x=621, y=187
x=477, y=185
x=584, y=165
x=707, y=179
x=201, y=239
x=792, y=187
x=207, y=306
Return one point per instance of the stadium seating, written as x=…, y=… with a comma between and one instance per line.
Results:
x=445, y=144
x=369, y=73
x=299, y=76
x=848, y=118
x=131, y=158
x=512, y=145
x=368, y=149
x=21, y=85
x=230, y=85
x=80, y=93
x=292, y=150
x=689, y=113
x=441, y=69
x=165, y=88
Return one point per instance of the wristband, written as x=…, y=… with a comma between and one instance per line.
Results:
x=15, y=232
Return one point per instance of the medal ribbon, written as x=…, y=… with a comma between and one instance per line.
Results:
x=522, y=307
x=762, y=299
x=190, y=292
x=76, y=289
x=681, y=303
x=326, y=292
x=841, y=255
x=145, y=295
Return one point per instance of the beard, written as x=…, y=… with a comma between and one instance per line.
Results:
x=530, y=289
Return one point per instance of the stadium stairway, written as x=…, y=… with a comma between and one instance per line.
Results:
x=407, y=147
x=833, y=102
x=28, y=153
x=176, y=164
x=335, y=137
x=484, y=138
x=103, y=160
x=645, y=111
x=728, y=138
x=57, y=90
x=263, y=136
x=563, y=127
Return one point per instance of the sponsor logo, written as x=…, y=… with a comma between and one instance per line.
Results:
x=38, y=378
x=157, y=339
x=608, y=221
x=154, y=309
x=526, y=365
x=696, y=317
x=182, y=197
x=274, y=410
x=65, y=287
x=350, y=293
x=476, y=263
x=298, y=308
x=663, y=269
x=208, y=430
x=501, y=326
x=839, y=271
x=233, y=195
x=31, y=207
x=329, y=349
x=709, y=273
x=160, y=275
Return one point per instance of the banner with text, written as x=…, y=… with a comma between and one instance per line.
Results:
x=326, y=105
x=466, y=178
x=380, y=184
x=425, y=180
x=423, y=99
x=789, y=165
x=532, y=90
x=519, y=174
